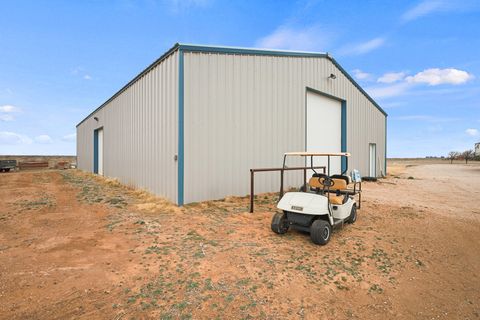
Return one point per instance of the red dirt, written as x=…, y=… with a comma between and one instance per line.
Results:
x=77, y=246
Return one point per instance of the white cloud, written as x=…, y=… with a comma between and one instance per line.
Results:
x=398, y=84
x=363, y=47
x=70, y=137
x=436, y=76
x=87, y=77
x=424, y=8
x=388, y=91
x=310, y=38
x=43, y=138
x=472, y=132
x=7, y=111
x=361, y=75
x=391, y=77
x=427, y=7
x=7, y=137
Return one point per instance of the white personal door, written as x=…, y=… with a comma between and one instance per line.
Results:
x=373, y=160
x=324, y=129
x=100, y=152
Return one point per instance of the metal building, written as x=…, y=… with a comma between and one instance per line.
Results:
x=192, y=124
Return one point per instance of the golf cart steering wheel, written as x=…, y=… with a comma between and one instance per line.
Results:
x=328, y=182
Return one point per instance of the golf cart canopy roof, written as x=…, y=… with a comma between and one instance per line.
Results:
x=309, y=154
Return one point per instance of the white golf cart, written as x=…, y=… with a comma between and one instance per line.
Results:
x=325, y=202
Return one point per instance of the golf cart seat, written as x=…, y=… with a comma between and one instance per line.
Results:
x=336, y=199
x=339, y=176
x=339, y=182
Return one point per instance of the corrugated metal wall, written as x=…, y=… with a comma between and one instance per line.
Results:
x=245, y=111
x=140, y=132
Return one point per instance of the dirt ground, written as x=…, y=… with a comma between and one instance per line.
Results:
x=77, y=246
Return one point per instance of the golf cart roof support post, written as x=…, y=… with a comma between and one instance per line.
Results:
x=328, y=166
x=311, y=164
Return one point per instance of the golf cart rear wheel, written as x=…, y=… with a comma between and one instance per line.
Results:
x=280, y=223
x=353, y=214
x=320, y=232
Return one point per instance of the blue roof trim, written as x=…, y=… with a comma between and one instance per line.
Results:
x=239, y=50
x=252, y=51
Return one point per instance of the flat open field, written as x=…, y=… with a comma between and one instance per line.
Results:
x=77, y=246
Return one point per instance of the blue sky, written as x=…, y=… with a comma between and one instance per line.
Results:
x=420, y=60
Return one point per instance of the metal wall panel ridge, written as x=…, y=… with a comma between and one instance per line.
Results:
x=244, y=111
x=140, y=132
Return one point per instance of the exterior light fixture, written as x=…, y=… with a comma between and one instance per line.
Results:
x=96, y=118
x=332, y=76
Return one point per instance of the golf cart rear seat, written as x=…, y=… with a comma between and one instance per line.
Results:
x=340, y=184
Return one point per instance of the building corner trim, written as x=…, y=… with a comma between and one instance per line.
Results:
x=385, y=173
x=95, y=151
x=344, y=134
x=180, y=168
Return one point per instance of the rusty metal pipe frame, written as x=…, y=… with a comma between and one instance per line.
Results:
x=282, y=170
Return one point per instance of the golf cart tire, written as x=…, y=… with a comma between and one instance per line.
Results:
x=353, y=214
x=280, y=223
x=320, y=232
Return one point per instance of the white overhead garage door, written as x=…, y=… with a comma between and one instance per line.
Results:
x=324, y=129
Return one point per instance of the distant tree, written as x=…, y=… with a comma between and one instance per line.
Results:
x=453, y=155
x=468, y=155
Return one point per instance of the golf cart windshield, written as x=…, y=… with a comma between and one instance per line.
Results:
x=319, y=154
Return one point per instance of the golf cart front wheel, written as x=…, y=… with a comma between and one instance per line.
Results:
x=280, y=223
x=320, y=232
x=353, y=214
